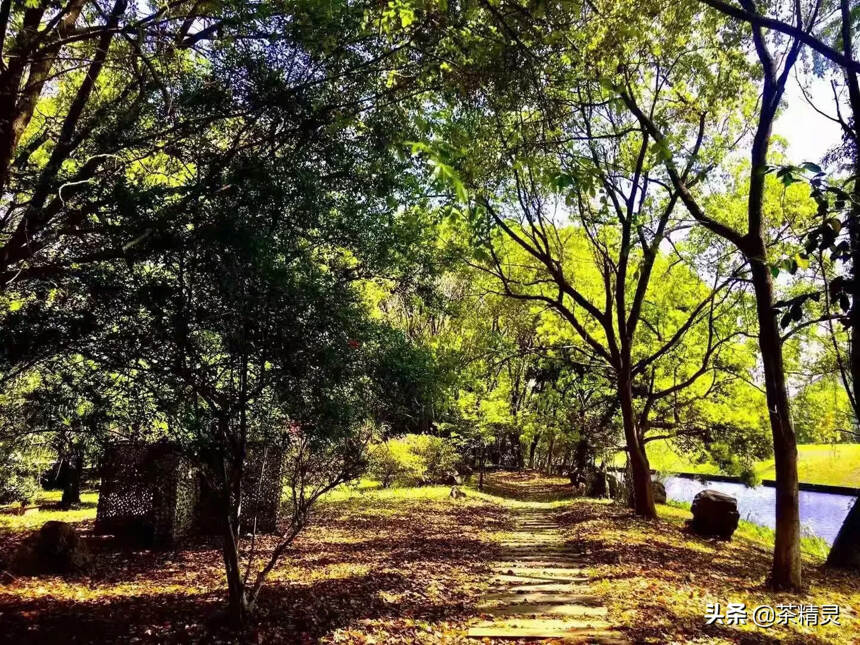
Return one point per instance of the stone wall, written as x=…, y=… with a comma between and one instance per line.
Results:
x=262, y=487
x=148, y=491
x=152, y=493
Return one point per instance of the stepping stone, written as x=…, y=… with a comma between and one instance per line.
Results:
x=544, y=609
x=532, y=596
x=548, y=560
x=526, y=579
x=581, y=635
x=538, y=564
x=585, y=629
x=544, y=554
x=550, y=545
x=546, y=587
x=539, y=572
x=539, y=590
x=539, y=551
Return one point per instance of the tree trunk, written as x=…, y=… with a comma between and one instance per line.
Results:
x=238, y=608
x=854, y=217
x=517, y=446
x=640, y=470
x=786, y=572
x=481, y=469
x=532, y=449
x=845, y=551
x=548, y=464
x=72, y=485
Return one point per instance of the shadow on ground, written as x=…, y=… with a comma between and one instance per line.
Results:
x=528, y=486
x=397, y=569
x=660, y=578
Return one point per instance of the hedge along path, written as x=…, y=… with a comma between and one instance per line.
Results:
x=539, y=590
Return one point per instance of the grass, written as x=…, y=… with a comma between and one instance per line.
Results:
x=384, y=566
x=832, y=464
x=408, y=565
x=49, y=510
x=657, y=579
x=811, y=545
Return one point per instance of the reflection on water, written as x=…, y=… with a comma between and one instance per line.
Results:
x=820, y=513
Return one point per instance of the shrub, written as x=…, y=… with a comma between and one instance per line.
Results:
x=19, y=480
x=413, y=460
x=391, y=462
x=439, y=459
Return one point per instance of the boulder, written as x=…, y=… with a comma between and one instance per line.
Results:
x=596, y=484
x=615, y=485
x=456, y=493
x=659, y=492
x=450, y=479
x=715, y=514
x=56, y=548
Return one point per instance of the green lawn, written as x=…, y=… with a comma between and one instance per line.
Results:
x=834, y=464
x=47, y=501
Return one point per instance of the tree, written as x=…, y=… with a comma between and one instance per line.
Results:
x=838, y=27
x=245, y=184
x=247, y=340
x=85, y=87
x=117, y=118
x=550, y=146
x=751, y=242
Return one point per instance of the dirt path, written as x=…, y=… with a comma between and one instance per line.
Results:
x=540, y=591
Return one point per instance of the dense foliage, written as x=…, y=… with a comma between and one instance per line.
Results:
x=417, y=238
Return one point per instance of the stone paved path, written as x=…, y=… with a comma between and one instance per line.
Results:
x=539, y=589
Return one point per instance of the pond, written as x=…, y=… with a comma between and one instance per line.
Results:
x=821, y=513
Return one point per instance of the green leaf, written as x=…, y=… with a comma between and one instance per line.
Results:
x=563, y=181
x=788, y=179
x=811, y=167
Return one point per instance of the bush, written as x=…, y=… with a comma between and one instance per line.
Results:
x=438, y=457
x=392, y=462
x=19, y=480
x=413, y=460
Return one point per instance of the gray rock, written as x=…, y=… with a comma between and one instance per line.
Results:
x=596, y=484
x=659, y=492
x=715, y=514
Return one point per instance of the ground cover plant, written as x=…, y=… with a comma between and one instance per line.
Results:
x=657, y=579
x=402, y=565
x=410, y=565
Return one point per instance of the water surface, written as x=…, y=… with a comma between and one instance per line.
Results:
x=821, y=514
